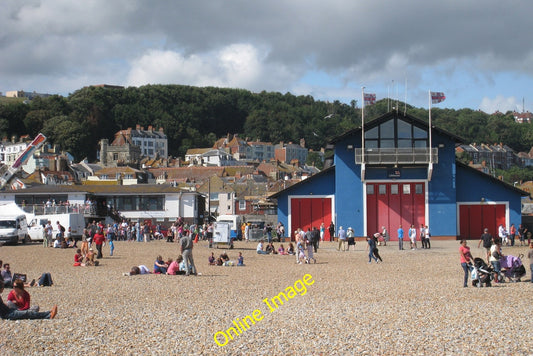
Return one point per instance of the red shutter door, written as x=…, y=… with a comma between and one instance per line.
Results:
x=310, y=212
x=392, y=204
x=474, y=218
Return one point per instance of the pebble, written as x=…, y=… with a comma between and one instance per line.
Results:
x=411, y=304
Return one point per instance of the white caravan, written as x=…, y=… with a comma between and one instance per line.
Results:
x=74, y=223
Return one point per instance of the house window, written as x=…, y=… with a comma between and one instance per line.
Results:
x=115, y=156
x=242, y=204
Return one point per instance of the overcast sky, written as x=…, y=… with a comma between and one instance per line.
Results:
x=478, y=52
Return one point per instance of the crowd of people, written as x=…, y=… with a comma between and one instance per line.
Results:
x=493, y=253
x=224, y=260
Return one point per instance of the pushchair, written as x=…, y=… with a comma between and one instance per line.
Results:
x=481, y=273
x=512, y=267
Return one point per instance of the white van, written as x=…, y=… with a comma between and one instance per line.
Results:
x=73, y=223
x=13, y=229
x=235, y=221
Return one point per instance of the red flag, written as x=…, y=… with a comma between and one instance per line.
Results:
x=437, y=97
x=370, y=99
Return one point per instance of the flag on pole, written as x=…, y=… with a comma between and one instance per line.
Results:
x=437, y=97
x=369, y=99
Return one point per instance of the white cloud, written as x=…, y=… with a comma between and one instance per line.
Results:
x=234, y=66
x=499, y=103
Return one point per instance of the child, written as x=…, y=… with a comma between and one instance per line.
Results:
x=310, y=255
x=301, y=253
x=290, y=250
x=211, y=259
x=240, y=260
x=78, y=258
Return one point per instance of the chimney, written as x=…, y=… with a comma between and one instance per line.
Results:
x=150, y=128
x=161, y=130
x=137, y=127
x=103, y=151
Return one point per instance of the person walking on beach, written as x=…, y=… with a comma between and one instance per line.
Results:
x=427, y=237
x=522, y=230
x=486, y=239
x=331, y=230
x=466, y=260
x=48, y=233
x=186, y=251
x=400, y=237
x=423, y=236
x=384, y=235
x=111, y=236
x=530, y=257
x=342, y=239
x=371, y=246
x=512, y=234
x=99, y=241
x=315, y=238
x=412, y=236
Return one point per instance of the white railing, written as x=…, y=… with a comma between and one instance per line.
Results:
x=397, y=155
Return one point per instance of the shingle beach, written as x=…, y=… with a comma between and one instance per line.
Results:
x=411, y=304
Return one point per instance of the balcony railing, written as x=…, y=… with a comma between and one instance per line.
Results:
x=43, y=209
x=398, y=155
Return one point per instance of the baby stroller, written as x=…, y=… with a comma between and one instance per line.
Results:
x=481, y=273
x=512, y=267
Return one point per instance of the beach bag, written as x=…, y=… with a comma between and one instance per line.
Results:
x=20, y=276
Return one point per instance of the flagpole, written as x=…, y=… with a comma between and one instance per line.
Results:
x=430, y=143
x=363, y=125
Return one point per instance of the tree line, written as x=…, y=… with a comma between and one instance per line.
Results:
x=197, y=116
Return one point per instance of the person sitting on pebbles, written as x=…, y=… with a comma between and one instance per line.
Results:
x=259, y=248
x=15, y=314
x=270, y=249
x=160, y=266
x=174, y=267
x=290, y=249
x=212, y=260
x=19, y=298
x=78, y=258
x=89, y=258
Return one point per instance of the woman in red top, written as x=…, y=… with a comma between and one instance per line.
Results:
x=466, y=260
x=19, y=298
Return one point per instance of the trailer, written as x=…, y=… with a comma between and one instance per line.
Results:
x=222, y=234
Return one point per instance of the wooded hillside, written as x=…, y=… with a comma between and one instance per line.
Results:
x=196, y=117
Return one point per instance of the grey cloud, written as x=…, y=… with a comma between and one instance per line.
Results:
x=352, y=38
